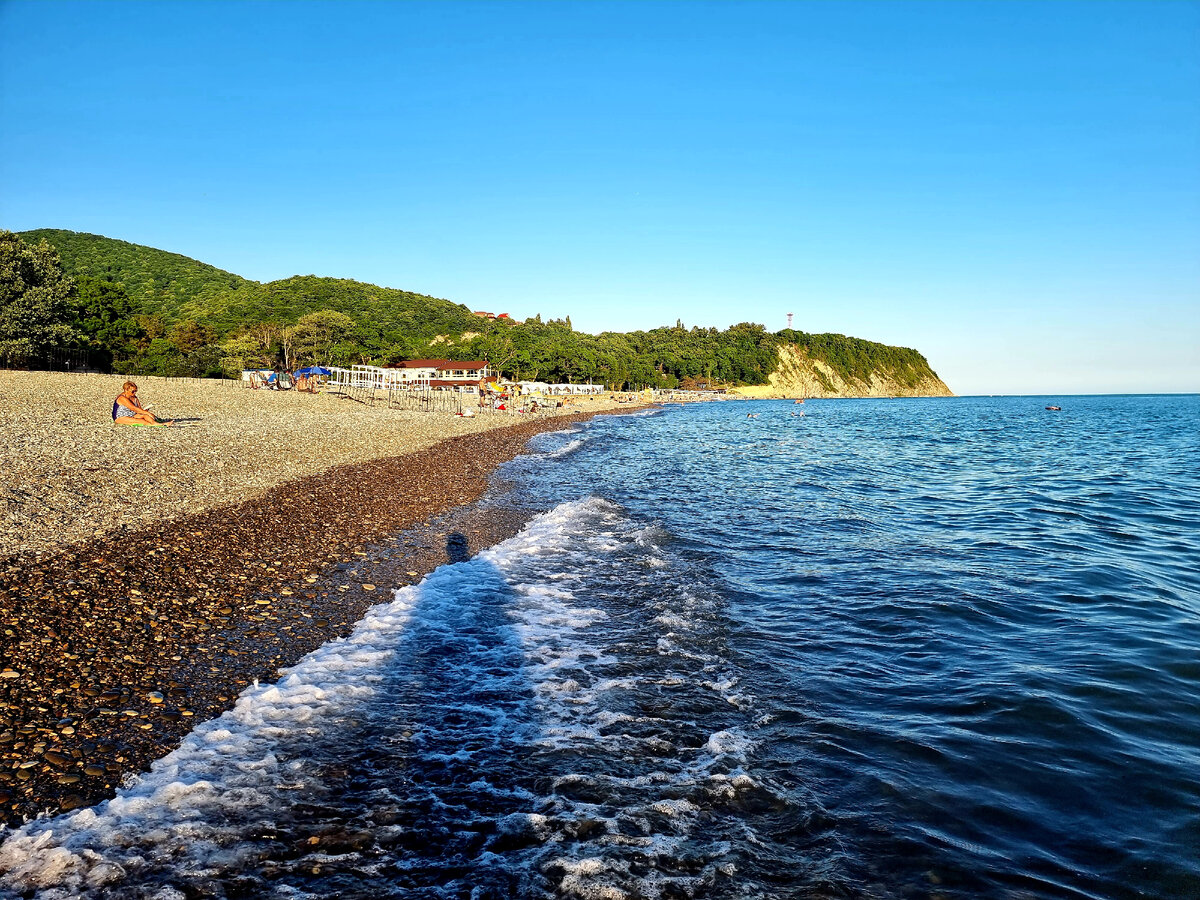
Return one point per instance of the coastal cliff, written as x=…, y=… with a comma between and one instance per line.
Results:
x=145, y=311
x=799, y=374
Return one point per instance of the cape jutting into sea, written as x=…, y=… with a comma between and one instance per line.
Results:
x=845, y=649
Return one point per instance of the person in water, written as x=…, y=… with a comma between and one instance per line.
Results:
x=128, y=409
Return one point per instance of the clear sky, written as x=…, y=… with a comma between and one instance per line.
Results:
x=1011, y=188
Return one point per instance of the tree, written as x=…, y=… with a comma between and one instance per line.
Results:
x=37, y=309
x=152, y=325
x=258, y=345
x=159, y=357
x=189, y=336
x=249, y=349
x=320, y=336
x=103, y=313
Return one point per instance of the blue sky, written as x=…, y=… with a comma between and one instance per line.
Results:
x=1011, y=188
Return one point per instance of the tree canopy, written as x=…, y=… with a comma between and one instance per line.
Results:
x=154, y=312
x=37, y=299
x=855, y=359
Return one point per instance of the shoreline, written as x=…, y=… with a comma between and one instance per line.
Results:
x=72, y=476
x=115, y=648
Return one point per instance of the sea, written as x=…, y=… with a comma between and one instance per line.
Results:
x=916, y=648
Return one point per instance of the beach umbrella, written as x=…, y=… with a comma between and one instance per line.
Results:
x=314, y=370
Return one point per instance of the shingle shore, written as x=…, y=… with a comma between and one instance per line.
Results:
x=70, y=475
x=113, y=647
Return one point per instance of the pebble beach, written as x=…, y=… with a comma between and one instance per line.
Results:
x=148, y=574
x=70, y=475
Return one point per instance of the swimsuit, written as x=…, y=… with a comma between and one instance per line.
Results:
x=121, y=411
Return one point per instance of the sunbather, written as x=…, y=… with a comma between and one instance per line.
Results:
x=279, y=380
x=128, y=410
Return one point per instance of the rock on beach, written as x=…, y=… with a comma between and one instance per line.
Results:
x=147, y=575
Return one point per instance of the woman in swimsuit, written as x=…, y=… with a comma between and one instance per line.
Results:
x=128, y=410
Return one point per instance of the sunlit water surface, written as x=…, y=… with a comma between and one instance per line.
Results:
x=886, y=649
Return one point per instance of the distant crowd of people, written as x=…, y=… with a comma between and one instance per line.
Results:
x=280, y=380
x=127, y=409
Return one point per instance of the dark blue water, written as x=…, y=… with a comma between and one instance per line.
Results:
x=971, y=627
x=881, y=649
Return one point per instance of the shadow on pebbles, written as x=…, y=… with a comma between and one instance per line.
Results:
x=112, y=651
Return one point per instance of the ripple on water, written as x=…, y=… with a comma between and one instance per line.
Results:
x=890, y=650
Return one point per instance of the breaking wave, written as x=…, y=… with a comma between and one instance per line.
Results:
x=556, y=716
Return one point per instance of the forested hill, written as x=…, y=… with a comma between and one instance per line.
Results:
x=176, y=288
x=159, y=313
x=154, y=279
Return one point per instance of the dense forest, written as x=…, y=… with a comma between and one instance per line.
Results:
x=147, y=311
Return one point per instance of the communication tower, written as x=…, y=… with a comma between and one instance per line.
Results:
x=789, y=320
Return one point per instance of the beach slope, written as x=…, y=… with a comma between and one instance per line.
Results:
x=149, y=574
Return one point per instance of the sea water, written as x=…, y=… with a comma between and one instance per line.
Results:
x=885, y=649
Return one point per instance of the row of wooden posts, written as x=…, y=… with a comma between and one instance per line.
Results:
x=424, y=399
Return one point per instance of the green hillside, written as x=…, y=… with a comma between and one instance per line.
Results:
x=147, y=311
x=177, y=288
x=155, y=280
x=854, y=359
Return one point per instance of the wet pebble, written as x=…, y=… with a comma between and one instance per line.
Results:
x=57, y=759
x=90, y=639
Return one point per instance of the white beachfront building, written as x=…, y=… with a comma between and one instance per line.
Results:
x=443, y=374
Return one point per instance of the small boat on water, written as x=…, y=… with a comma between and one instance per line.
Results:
x=1054, y=408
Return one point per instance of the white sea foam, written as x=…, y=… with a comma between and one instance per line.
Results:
x=586, y=702
x=567, y=449
x=638, y=414
x=231, y=761
x=194, y=806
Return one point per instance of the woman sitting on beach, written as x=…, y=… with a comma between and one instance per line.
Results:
x=128, y=410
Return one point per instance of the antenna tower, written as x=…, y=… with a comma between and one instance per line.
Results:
x=789, y=320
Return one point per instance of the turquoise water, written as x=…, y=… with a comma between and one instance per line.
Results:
x=882, y=649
